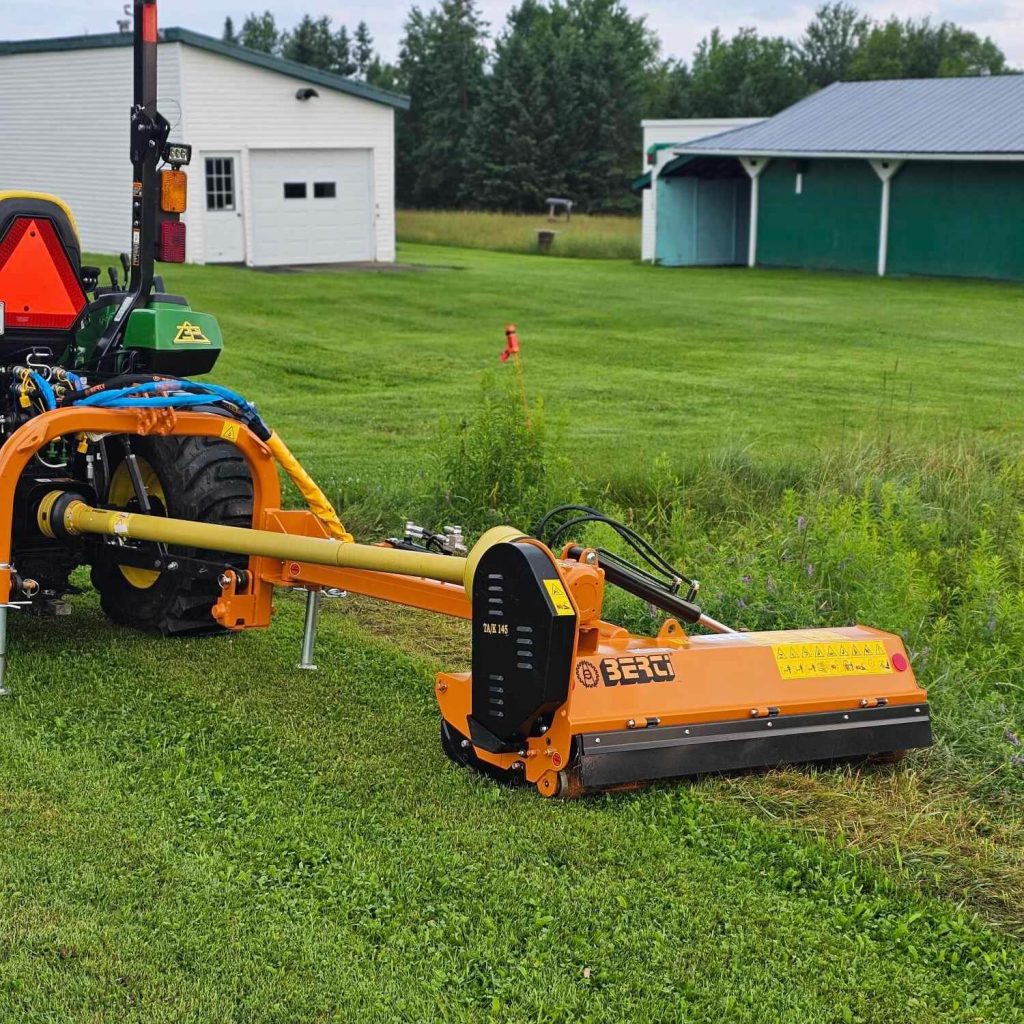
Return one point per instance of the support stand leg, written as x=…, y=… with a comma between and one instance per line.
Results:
x=309, y=631
x=4, y=692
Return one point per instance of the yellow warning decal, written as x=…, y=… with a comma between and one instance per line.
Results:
x=230, y=431
x=190, y=334
x=559, y=598
x=832, y=658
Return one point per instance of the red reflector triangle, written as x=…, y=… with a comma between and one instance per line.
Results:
x=37, y=281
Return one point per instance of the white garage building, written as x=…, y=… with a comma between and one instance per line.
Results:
x=290, y=165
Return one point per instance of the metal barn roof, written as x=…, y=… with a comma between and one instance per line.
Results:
x=965, y=117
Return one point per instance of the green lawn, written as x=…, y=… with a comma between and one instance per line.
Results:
x=640, y=361
x=197, y=832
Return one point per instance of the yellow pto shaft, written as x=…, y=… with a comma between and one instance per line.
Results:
x=76, y=517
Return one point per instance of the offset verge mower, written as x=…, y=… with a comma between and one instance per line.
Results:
x=168, y=488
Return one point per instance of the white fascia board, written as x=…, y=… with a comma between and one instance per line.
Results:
x=833, y=155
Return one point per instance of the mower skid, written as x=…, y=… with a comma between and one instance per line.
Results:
x=614, y=759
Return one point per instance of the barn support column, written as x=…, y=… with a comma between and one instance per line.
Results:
x=886, y=171
x=754, y=166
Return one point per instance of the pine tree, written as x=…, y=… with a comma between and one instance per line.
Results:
x=229, y=35
x=343, y=62
x=260, y=32
x=312, y=42
x=383, y=75
x=441, y=66
x=362, y=52
x=561, y=115
x=517, y=156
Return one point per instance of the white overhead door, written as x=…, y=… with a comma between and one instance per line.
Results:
x=311, y=206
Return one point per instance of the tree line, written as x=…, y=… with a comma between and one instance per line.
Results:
x=552, y=104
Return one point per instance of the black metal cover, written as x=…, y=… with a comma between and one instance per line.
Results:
x=523, y=642
x=636, y=755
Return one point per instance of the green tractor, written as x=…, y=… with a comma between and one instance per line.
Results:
x=67, y=339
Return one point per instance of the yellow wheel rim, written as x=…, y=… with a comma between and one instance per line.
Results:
x=120, y=494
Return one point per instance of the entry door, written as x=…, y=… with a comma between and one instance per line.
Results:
x=312, y=206
x=225, y=234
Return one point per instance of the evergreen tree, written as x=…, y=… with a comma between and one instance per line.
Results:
x=562, y=108
x=518, y=159
x=831, y=41
x=362, y=50
x=312, y=42
x=260, y=32
x=229, y=35
x=383, y=75
x=608, y=58
x=344, y=64
x=441, y=67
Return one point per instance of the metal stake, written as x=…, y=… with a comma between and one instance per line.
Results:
x=309, y=630
x=4, y=692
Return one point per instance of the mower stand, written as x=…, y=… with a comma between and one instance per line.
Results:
x=4, y=692
x=309, y=629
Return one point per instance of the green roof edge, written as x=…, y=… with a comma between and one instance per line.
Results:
x=292, y=69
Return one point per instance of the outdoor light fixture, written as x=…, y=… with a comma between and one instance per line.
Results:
x=306, y=94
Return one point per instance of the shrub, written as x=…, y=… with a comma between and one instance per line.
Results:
x=499, y=464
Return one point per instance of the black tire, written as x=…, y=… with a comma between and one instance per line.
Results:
x=203, y=479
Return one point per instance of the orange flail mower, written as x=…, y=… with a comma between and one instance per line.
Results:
x=113, y=456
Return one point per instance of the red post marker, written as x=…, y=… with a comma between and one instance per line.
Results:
x=511, y=343
x=149, y=25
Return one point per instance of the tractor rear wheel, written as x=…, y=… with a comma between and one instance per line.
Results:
x=203, y=479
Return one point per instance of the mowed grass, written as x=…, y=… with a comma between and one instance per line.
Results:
x=356, y=370
x=198, y=832
x=582, y=236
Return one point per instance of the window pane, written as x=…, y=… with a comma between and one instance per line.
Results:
x=325, y=190
x=220, y=183
x=295, y=190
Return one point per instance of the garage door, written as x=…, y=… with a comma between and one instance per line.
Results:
x=312, y=206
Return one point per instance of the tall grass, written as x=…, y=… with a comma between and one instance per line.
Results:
x=926, y=545
x=585, y=237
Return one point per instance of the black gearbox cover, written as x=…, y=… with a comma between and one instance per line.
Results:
x=524, y=633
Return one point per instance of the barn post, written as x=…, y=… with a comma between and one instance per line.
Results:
x=886, y=171
x=754, y=166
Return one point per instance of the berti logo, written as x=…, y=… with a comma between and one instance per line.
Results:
x=638, y=668
x=190, y=334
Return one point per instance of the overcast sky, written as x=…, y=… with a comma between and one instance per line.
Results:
x=680, y=23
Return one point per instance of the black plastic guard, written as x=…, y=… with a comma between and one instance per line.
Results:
x=524, y=632
x=640, y=755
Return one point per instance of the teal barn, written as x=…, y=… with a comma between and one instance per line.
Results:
x=892, y=177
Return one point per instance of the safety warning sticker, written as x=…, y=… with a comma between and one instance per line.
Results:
x=839, y=658
x=230, y=431
x=559, y=598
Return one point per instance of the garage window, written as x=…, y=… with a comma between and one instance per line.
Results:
x=220, y=183
x=325, y=190
x=295, y=190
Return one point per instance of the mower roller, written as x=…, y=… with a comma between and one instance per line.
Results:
x=168, y=488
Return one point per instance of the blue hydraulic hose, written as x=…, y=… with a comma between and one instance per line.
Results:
x=43, y=386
